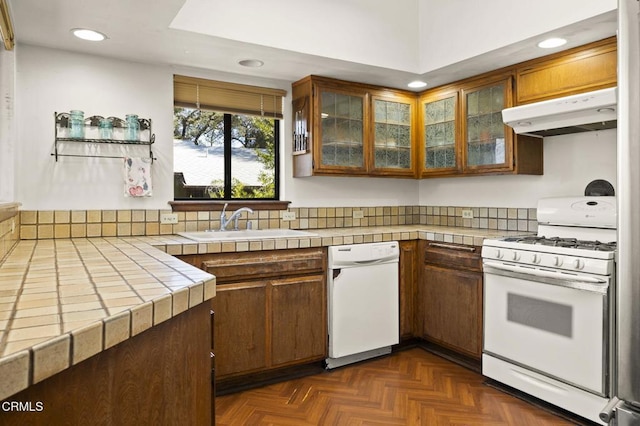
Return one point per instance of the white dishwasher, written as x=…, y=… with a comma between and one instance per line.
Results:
x=363, y=301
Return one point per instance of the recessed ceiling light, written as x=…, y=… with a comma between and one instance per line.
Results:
x=552, y=42
x=417, y=84
x=87, y=34
x=253, y=63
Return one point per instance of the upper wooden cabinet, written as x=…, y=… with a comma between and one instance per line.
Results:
x=463, y=131
x=393, y=134
x=345, y=128
x=351, y=129
x=578, y=70
x=440, y=132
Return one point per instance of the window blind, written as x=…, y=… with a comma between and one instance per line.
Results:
x=191, y=92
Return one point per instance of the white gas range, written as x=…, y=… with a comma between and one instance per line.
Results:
x=547, y=305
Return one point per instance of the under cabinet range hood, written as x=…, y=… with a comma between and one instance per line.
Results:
x=583, y=112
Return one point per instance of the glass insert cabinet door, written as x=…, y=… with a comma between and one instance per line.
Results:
x=392, y=147
x=440, y=141
x=487, y=140
x=341, y=129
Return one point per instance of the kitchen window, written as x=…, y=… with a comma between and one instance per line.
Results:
x=226, y=139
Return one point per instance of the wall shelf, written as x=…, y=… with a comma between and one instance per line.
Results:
x=62, y=126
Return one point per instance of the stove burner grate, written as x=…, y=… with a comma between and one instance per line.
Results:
x=565, y=242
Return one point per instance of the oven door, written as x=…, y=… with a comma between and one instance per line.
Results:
x=554, y=324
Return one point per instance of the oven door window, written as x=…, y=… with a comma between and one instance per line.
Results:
x=555, y=330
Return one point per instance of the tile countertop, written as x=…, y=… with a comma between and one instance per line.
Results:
x=65, y=300
x=177, y=245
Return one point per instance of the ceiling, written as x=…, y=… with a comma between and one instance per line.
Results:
x=140, y=31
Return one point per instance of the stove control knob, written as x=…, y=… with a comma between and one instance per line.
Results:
x=557, y=261
x=577, y=264
x=535, y=258
x=499, y=254
x=515, y=256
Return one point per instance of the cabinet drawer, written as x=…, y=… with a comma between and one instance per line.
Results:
x=458, y=256
x=266, y=264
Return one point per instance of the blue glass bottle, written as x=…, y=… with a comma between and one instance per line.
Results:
x=76, y=124
x=106, y=129
x=132, y=131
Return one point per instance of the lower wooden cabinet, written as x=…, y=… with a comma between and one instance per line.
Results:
x=297, y=309
x=158, y=377
x=408, y=281
x=450, y=297
x=270, y=310
x=240, y=327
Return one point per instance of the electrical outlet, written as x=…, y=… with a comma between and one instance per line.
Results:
x=467, y=214
x=358, y=214
x=169, y=218
x=286, y=216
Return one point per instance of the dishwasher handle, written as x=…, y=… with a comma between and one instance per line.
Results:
x=453, y=247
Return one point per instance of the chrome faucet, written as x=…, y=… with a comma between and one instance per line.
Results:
x=224, y=222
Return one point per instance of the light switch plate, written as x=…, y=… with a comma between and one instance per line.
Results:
x=286, y=216
x=358, y=214
x=467, y=214
x=169, y=218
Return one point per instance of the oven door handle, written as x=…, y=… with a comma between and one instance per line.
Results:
x=580, y=282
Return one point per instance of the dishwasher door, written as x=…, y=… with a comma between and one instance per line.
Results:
x=363, y=301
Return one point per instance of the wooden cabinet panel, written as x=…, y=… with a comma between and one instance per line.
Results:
x=270, y=311
x=352, y=129
x=298, y=316
x=463, y=132
x=452, y=309
x=450, y=297
x=408, y=281
x=234, y=267
x=159, y=377
x=487, y=142
x=574, y=71
x=393, y=142
x=440, y=130
x=240, y=327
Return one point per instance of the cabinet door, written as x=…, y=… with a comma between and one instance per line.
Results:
x=298, y=318
x=392, y=136
x=440, y=133
x=408, y=282
x=451, y=307
x=240, y=327
x=340, y=131
x=487, y=140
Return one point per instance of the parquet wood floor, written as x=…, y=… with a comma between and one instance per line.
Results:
x=411, y=387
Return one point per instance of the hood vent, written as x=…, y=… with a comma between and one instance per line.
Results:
x=584, y=112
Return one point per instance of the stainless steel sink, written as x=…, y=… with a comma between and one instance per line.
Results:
x=257, y=234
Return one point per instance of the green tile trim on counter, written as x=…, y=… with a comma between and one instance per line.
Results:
x=52, y=224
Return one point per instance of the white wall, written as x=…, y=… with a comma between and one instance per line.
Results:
x=373, y=32
x=49, y=81
x=107, y=87
x=455, y=30
x=570, y=163
x=7, y=132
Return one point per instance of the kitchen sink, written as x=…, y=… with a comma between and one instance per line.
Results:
x=245, y=234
